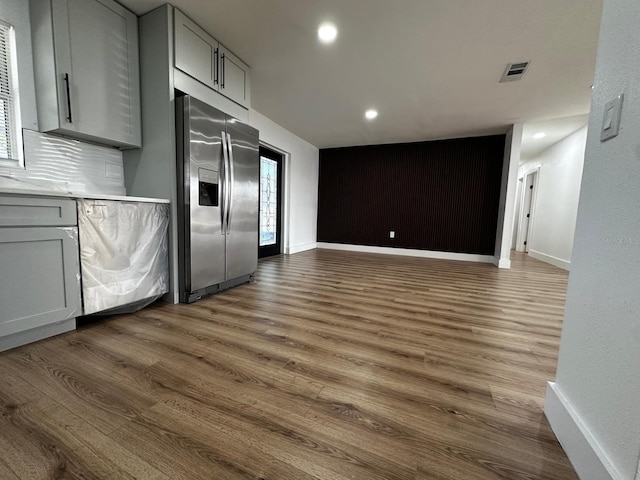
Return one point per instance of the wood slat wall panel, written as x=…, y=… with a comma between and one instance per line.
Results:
x=440, y=195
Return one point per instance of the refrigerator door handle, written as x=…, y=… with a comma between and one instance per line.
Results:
x=224, y=173
x=230, y=179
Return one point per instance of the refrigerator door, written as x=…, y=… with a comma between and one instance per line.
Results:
x=242, y=222
x=204, y=175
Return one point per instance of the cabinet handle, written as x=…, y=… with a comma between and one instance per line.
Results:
x=215, y=67
x=66, y=82
x=223, y=72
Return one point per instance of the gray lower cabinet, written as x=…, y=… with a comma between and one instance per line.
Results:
x=40, y=280
x=20, y=211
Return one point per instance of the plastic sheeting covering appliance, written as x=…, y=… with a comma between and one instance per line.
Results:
x=124, y=254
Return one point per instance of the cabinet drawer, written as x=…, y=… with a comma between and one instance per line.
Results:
x=17, y=211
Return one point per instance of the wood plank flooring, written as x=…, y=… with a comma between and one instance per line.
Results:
x=332, y=365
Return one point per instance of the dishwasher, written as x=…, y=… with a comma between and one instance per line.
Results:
x=124, y=254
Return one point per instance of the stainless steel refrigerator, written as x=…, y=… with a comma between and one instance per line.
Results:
x=218, y=182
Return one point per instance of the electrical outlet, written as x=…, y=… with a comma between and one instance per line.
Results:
x=392, y=234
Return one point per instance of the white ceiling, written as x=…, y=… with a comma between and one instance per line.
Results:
x=554, y=130
x=430, y=67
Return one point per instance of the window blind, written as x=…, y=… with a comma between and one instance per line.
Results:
x=8, y=128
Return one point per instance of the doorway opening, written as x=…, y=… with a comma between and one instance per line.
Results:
x=271, y=166
x=525, y=222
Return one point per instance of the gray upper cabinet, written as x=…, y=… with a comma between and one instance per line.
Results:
x=202, y=57
x=86, y=69
x=196, y=52
x=234, y=77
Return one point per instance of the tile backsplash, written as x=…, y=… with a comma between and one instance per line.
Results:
x=63, y=164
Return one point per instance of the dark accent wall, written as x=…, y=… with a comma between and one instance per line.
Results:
x=440, y=195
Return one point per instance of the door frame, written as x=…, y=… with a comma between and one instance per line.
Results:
x=528, y=234
x=282, y=214
x=516, y=213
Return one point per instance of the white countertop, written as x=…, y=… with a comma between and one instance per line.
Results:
x=96, y=196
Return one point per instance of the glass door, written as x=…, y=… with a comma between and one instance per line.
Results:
x=270, y=203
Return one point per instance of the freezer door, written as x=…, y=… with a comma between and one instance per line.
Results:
x=204, y=245
x=242, y=229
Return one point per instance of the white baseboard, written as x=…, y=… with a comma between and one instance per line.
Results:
x=501, y=262
x=300, y=248
x=584, y=452
x=409, y=252
x=35, y=334
x=558, y=262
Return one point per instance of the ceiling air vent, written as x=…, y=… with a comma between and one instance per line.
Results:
x=515, y=71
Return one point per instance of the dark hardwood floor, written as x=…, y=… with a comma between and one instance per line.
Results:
x=332, y=365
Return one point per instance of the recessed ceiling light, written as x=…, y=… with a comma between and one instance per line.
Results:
x=327, y=32
x=371, y=114
x=539, y=135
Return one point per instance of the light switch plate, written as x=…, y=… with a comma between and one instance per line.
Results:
x=611, y=118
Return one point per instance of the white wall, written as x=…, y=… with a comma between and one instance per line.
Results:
x=598, y=376
x=508, y=187
x=556, y=200
x=301, y=182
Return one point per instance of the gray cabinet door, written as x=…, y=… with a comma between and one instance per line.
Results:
x=39, y=284
x=202, y=57
x=87, y=71
x=196, y=52
x=234, y=77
